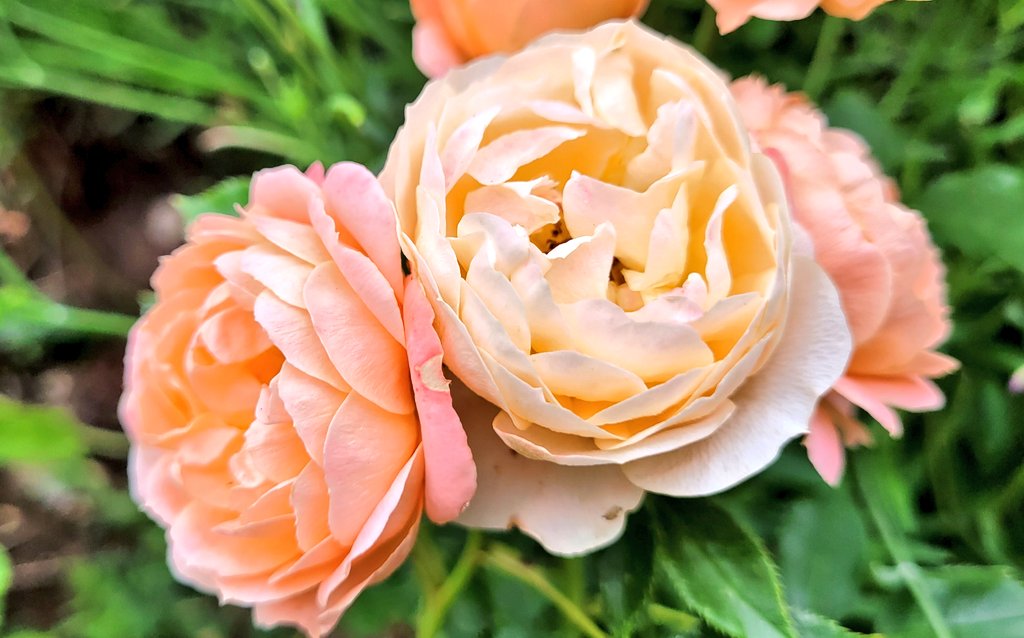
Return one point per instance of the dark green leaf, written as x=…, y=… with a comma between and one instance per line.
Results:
x=974, y=210
x=811, y=625
x=625, y=576
x=36, y=434
x=974, y=601
x=707, y=562
x=220, y=198
x=382, y=606
x=822, y=546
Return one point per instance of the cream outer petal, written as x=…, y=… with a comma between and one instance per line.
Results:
x=569, y=510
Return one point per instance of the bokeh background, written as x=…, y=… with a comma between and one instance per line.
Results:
x=122, y=119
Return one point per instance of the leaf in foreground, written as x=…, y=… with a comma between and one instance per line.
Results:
x=708, y=563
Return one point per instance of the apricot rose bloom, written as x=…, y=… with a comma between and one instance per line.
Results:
x=451, y=32
x=613, y=268
x=285, y=401
x=732, y=14
x=878, y=253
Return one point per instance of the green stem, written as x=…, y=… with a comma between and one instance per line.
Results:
x=291, y=148
x=91, y=322
x=912, y=70
x=504, y=560
x=824, y=55
x=908, y=570
x=575, y=579
x=432, y=618
x=706, y=34
x=110, y=444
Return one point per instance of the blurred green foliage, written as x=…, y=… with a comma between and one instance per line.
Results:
x=925, y=537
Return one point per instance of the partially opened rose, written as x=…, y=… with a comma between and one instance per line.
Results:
x=450, y=32
x=877, y=252
x=732, y=14
x=285, y=401
x=614, y=269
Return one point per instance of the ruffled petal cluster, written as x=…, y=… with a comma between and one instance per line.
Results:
x=732, y=14
x=285, y=400
x=879, y=255
x=614, y=270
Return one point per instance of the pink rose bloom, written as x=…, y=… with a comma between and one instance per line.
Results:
x=451, y=32
x=732, y=14
x=284, y=398
x=879, y=255
x=614, y=273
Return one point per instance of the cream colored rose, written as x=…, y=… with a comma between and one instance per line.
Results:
x=614, y=269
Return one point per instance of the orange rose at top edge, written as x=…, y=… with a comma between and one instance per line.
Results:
x=878, y=253
x=733, y=14
x=285, y=401
x=451, y=32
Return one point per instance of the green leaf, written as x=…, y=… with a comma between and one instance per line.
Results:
x=6, y=577
x=975, y=601
x=709, y=563
x=221, y=198
x=37, y=434
x=811, y=625
x=625, y=576
x=973, y=210
x=822, y=546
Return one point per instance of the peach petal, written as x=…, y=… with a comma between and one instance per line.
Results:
x=572, y=374
x=359, y=347
x=654, y=351
x=358, y=203
x=311, y=404
x=396, y=511
x=281, y=273
x=499, y=161
x=282, y=192
x=294, y=238
x=546, y=445
x=463, y=145
x=432, y=50
x=580, y=267
x=365, y=449
x=310, y=502
x=275, y=450
x=450, y=479
x=515, y=203
x=824, y=448
x=291, y=330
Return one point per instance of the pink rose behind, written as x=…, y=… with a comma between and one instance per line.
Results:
x=877, y=252
x=284, y=398
x=450, y=32
x=732, y=14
